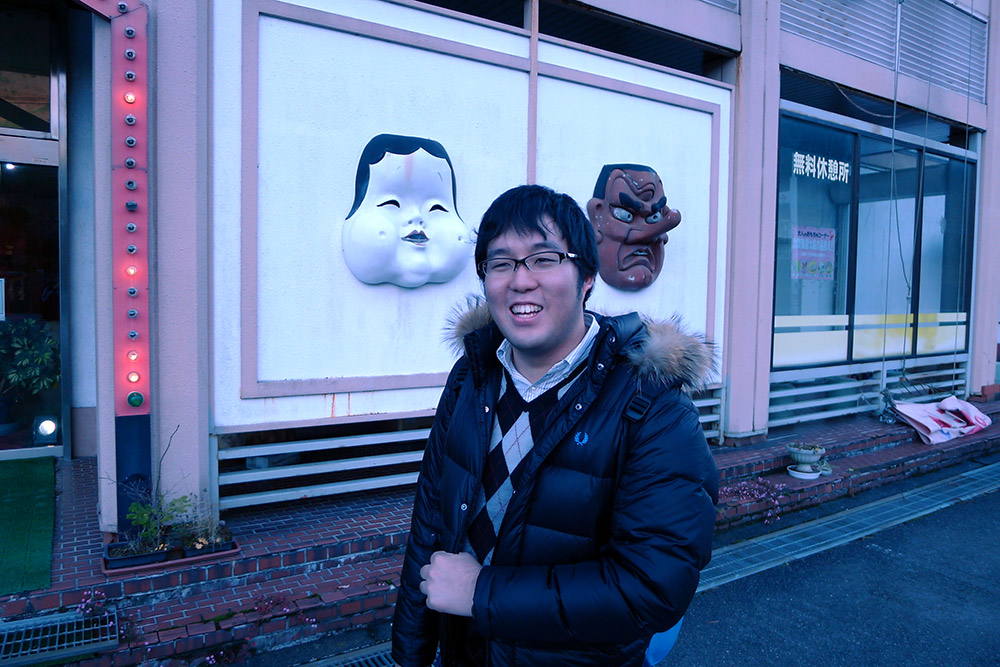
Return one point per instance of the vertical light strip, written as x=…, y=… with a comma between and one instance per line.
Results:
x=533, y=91
x=130, y=207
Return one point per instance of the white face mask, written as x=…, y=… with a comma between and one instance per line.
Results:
x=406, y=231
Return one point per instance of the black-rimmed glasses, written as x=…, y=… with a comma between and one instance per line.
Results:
x=535, y=262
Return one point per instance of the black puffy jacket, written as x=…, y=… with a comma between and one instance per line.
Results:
x=602, y=544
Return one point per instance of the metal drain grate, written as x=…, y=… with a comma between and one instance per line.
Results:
x=379, y=655
x=369, y=656
x=43, y=638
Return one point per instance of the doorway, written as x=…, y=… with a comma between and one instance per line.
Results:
x=32, y=397
x=30, y=359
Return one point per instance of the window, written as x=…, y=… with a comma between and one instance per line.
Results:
x=25, y=70
x=945, y=253
x=873, y=247
x=813, y=240
x=886, y=224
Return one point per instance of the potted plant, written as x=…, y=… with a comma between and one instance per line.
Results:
x=200, y=532
x=150, y=540
x=162, y=529
x=204, y=534
x=803, y=452
x=805, y=456
x=29, y=364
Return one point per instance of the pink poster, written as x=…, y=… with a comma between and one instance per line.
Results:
x=812, y=253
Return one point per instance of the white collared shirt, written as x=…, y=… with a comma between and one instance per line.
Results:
x=559, y=372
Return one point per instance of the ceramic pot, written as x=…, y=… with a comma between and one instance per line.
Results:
x=806, y=455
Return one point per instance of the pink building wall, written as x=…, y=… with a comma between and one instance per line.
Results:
x=181, y=38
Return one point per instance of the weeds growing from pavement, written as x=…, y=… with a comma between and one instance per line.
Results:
x=759, y=490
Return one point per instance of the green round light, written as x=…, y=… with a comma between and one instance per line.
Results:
x=135, y=399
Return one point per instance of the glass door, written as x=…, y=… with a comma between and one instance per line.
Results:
x=887, y=210
x=32, y=409
x=30, y=359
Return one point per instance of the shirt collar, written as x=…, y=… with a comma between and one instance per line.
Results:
x=559, y=371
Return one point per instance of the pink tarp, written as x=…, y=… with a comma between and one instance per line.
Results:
x=943, y=421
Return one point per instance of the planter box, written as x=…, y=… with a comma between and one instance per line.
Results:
x=165, y=558
x=114, y=562
x=227, y=545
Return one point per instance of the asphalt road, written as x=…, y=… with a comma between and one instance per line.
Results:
x=922, y=593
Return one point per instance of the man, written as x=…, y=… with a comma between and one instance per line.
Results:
x=565, y=504
x=631, y=219
x=404, y=227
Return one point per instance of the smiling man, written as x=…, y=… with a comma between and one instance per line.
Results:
x=565, y=505
x=631, y=219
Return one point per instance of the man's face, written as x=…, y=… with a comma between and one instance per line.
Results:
x=541, y=314
x=631, y=225
x=406, y=230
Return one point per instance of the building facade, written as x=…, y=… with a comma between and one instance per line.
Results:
x=248, y=223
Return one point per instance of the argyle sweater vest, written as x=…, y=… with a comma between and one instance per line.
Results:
x=517, y=425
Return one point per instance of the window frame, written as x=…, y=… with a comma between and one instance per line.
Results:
x=56, y=72
x=900, y=140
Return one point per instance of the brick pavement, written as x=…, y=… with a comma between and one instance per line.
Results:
x=864, y=453
x=317, y=566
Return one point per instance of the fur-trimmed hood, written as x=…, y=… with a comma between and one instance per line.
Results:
x=660, y=350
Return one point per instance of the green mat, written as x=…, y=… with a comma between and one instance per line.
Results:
x=27, y=510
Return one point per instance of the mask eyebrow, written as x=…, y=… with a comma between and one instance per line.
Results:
x=660, y=204
x=628, y=202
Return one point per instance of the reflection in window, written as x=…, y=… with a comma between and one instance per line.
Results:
x=814, y=207
x=944, y=254
x=25, y=67
x=895, y=222
x=886, y=224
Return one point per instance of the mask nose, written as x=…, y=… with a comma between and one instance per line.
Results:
x=646, y=232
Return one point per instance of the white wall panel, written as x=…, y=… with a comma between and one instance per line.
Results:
x=324, y=90
x=322, y=94
x=667, y=125
x=316, y=320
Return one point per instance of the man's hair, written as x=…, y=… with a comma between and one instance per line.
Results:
x=396, y=144
x=601, y=187
x=523, y=209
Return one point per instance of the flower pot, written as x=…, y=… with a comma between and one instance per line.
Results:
x=806, y=455
x=116, y=555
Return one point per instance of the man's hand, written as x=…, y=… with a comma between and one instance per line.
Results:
x=449, y=582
